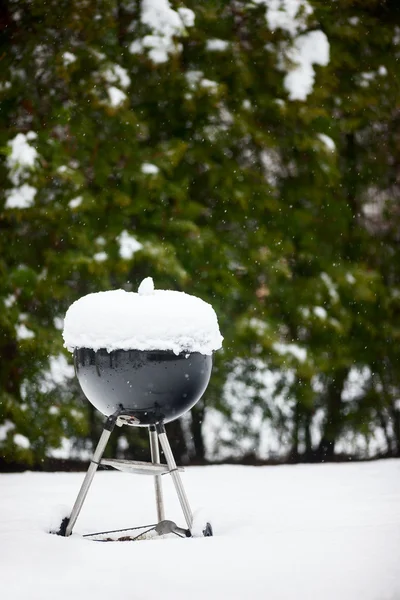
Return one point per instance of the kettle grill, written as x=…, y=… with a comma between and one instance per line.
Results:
x=141, y=388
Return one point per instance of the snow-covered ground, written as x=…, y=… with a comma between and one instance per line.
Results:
x=289, y=532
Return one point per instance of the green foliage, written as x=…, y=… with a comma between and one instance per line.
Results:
x=235, y=193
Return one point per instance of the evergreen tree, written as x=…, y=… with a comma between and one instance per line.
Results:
x=199, y=144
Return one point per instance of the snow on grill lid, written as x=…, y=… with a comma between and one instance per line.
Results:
x=148, y=320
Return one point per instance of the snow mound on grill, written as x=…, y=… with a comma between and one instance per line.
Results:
x=148, y=320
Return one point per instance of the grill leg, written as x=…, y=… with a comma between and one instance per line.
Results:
x=98, y=453
x=169, y=457
x=155, y=458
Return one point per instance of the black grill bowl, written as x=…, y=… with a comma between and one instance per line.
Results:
x=154, y=386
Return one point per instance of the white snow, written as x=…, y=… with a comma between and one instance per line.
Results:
x=118, y=75
x=128, y=245
x=309, y=49
x=60, y=369
x=162, y=320
x=320, y=312
x=289, y=15
x=116, y=96
x=208, y=83
x=66, y=449
x=369, y=76
x=146, y=288
x=149, y=169
x=366, y=78
x=58, y=373
x=272, y=165
x=21, y=441
x=165, y=24
x=20, y=162
x=68, y=58
x=216, y=45
x=291, y=349
x=20, y=197
x=75, y=202
x=5, y=428
x=9, y=300
x=258, y=325
x=23, y=333
x=122, y=443
x=22, y=157
x=193, y=78
x=354, y=21
x=356, y=383
x=305, y=311
x=160, y=17
x=76, y=414
x=302, y=532
x=196, y=79
x=328, y=141
x=187, y=16
x=100, y=256
x=331, y=287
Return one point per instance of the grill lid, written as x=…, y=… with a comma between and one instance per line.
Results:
x=148, y=320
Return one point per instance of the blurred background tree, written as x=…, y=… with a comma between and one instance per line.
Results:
x=245, y=152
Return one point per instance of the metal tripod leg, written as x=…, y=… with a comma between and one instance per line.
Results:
x=101, y=446
x=155, y=458
x=169, y=457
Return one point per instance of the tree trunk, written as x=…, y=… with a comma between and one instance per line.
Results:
x=309, y=454
x=395, y=414
x=294, y=452
x=390, y=443
x=197, y=422
x=333, y=421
